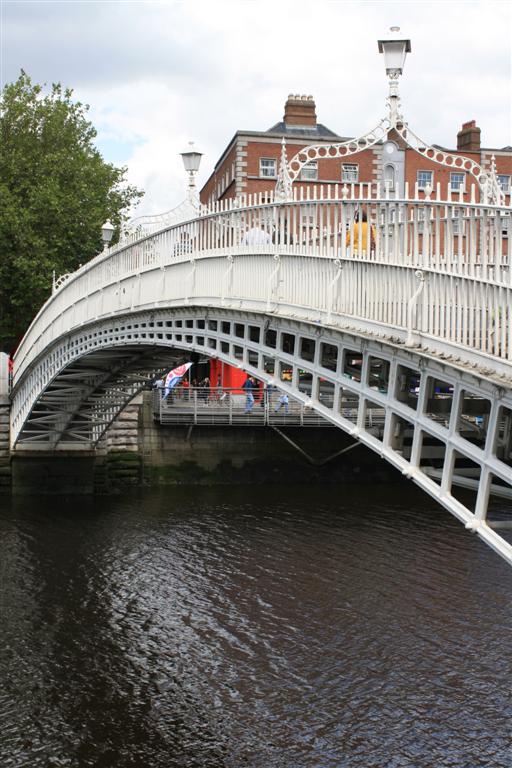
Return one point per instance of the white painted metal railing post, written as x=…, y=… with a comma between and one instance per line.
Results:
x=191, y=280
x=334, y=282
x=226, y=279
x=412, y=339
x=273, y=275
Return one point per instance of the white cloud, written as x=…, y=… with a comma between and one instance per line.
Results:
x=160, y=73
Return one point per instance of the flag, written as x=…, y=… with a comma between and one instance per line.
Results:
x=175, y=376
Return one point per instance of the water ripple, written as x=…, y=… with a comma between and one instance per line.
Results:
x=222, y=628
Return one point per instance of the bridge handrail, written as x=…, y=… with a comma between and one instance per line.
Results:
x=402, y=238
x=232, y=206
x=138, y=239
x=228, y=405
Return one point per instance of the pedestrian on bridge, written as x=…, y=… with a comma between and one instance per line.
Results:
x=256, y=236
x=283, y=400
x=205, y=389
x=249, y=386
x=358, y=235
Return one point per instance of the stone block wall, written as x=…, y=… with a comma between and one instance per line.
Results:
x=245, y=455
x=137, y=451
x=5, y=458
x=118, y=455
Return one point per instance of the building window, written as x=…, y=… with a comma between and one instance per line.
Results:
x=268, y=168
x=389, y=177
x=309, y=171
x=505, y=226
x=457, y=181
x=308, y=215
x=350, y=172
x=425, y=179
x=457, y=222
x=504, y=182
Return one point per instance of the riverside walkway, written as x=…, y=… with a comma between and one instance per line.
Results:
x=228, y=406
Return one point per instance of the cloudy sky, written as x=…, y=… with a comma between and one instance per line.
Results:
x=158, y=74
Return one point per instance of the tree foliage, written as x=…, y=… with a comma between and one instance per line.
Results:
x=56, y=191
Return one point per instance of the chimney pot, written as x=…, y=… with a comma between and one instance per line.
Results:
x=300, y=109
x=468, y=138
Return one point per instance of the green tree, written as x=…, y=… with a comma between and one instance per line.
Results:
x=56, y=191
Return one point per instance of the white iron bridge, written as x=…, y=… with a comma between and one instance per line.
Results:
x=398, y=332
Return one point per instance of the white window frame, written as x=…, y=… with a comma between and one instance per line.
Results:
x=309, y=171
x=348, y=171
x=307, y=215
x=421, y=219
x=425, y=184
x=505, y=185
x=459, y=185
x=264, y=175
x=457, y=220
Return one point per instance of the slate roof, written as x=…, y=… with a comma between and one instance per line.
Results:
x=317, y=131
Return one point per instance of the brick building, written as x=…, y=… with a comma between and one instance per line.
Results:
x=250, y=162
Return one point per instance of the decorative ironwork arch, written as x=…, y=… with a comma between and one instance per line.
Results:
x=289, y=171
x=340, y=149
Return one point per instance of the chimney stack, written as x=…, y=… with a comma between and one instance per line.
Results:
x=468, y=138
x=299, y=110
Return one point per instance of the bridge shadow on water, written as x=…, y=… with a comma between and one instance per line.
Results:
x=261, y=627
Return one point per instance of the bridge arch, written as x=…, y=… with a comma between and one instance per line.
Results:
x=406, y=407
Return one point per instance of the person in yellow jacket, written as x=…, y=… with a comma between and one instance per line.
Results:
x=353, y=235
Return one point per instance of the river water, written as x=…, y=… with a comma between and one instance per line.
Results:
x=251, y=627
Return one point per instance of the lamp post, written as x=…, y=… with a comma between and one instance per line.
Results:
x=191, y=160
x=395, y=48
x=107, y=232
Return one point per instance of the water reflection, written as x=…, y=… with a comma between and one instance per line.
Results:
x=242, y=627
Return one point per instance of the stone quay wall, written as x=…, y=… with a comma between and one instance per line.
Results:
x=137, y=451
x=5, y=457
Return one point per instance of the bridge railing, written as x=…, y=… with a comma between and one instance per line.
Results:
x=229, y=406
x=429, y=229
x=459, y=249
